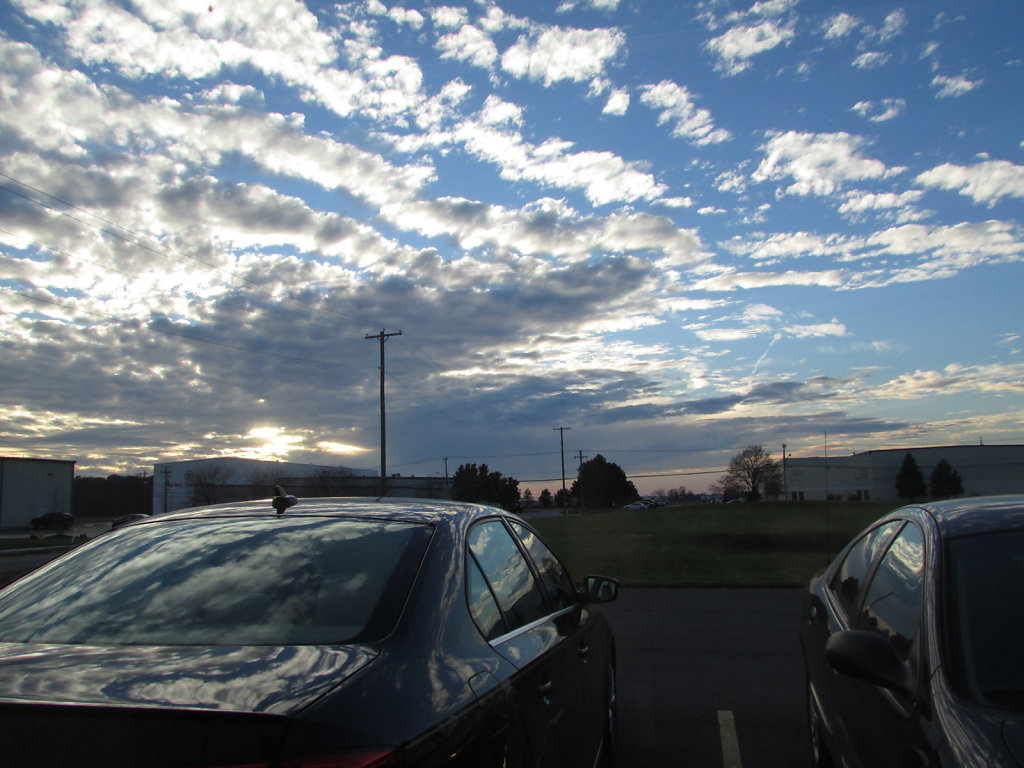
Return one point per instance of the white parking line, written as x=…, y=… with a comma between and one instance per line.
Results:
x=730, y=741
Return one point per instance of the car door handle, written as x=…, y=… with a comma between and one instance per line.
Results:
x=544, y=689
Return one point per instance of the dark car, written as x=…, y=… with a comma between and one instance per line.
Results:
x=128, y=519
x=53, y=521
x=334, y=633
x=913, y=640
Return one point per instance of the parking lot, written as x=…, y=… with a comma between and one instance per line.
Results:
x=707, y=678
x=710, y=678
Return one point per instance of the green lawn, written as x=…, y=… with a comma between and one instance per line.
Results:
x=770, y=544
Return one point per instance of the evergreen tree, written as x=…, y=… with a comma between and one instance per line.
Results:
x=473, y=483
x=910, y=481
x=945, y=481
x=602, y=483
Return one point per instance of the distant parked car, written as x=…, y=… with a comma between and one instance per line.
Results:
x=636, y=505
x=328, y=632
x=134, y=517
x=912, y=640
x=53, y=521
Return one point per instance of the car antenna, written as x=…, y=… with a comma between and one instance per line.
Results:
x=282, y=500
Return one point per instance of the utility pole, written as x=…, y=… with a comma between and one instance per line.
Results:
x=580, y=480
x=565, y=494
x=785, y=488
x=382, y=337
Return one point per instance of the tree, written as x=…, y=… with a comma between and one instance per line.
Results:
x=752, y=473
x=909, y=480
x=562, y=498
x=208, y=484
x=602, y=483
x=945, y=481
x=473, y=483
x=546, y=499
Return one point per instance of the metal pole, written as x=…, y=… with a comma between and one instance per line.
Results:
x=382, y=336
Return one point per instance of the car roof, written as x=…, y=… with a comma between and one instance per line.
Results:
x=980, y=514
x=398, y=509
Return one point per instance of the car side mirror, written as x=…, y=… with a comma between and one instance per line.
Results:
x=870, y=657
x=600, y=589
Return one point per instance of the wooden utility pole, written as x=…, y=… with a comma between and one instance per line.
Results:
x=382, y=337
x=565, y=494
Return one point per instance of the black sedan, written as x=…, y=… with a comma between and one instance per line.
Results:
x=332, y=633
x=913, y=640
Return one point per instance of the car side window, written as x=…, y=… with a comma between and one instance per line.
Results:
x=856, y=566
x=554, y=578
x=482, y=605
x=892, y=605
x=503, y=565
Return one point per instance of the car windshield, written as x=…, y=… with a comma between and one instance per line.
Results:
x=987, y=616
x=291, y=580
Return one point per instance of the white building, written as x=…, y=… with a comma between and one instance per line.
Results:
x=181, y=484
x=32, y=487
x=871, y=476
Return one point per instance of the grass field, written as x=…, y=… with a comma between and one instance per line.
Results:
x=762, y=545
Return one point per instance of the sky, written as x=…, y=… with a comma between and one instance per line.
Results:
x=672, y=229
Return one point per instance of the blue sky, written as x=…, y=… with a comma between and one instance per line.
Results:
x=676, y=228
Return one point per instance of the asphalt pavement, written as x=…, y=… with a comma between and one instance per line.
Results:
x=710, y=678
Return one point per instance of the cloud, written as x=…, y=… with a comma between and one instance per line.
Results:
x=618, y=102
x=871, y=60
x=839, y=26
x=880, y=111
x=469, y=44
x=986, y=182
x=556, y=54
x=954, y=87
x=676, y=105
x=736, y=47
x=819, y=163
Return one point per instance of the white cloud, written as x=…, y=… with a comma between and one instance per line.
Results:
x=840, y=26
x=557, y=54
x=448, y=17
x=894, y=25
x=736, y=47
x=618, y=102
x=871, y=60
x=880, y=111
x=677, y=107
x=603, y=176
x=953, y=87
x=861, y=202
x=986, y=182
x=818, y=163
x=469, y=44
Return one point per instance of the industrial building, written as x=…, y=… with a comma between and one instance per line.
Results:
x=871, y=475
x=33, y=487
x=197, y=482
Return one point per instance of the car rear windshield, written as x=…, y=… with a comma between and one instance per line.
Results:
x=985, y=573
x=290, y=580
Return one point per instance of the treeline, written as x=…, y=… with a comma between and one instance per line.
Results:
x=111, y=496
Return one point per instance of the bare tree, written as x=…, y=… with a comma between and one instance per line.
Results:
x=751, y=473
x=208, y=484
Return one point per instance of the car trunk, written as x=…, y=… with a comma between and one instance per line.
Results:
x=159, y=706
